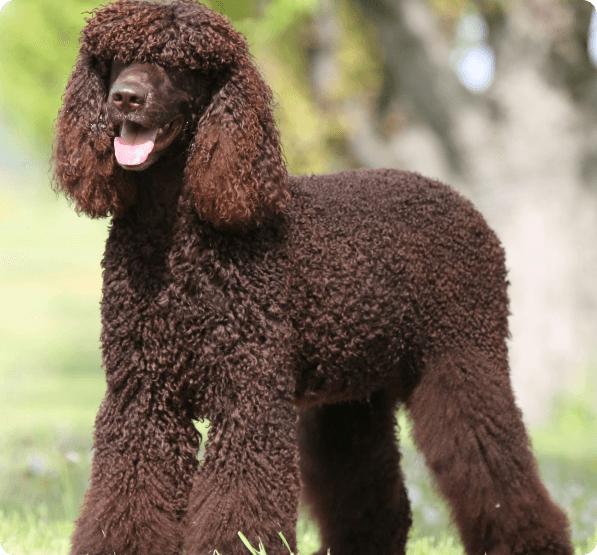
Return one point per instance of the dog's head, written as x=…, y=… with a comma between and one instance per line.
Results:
x=160, y=80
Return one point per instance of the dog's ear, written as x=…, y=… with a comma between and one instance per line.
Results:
x=83, y=158
x=235, y=166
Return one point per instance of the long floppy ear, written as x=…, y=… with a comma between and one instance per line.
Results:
x=235, y=167
x=84, y=164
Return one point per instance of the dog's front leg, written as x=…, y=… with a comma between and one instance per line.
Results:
x=143, y=464
x=249, y=480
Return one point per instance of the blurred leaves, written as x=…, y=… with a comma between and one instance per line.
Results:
x=39, y=43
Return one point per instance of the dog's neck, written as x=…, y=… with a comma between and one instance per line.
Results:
x=158, y=191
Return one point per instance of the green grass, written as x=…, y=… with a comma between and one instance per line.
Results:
x=51, y=385
x=34, y=534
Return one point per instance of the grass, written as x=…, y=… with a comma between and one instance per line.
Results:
x=33, y=534
x=51, y=385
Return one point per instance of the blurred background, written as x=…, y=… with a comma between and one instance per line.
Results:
x=496, y=97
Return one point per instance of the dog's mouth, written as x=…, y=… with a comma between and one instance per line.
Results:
x=136, y=143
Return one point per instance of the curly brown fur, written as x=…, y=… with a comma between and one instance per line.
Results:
x=294, y=313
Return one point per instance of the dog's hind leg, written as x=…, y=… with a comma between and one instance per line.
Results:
x=470, y=430
x=351, y=476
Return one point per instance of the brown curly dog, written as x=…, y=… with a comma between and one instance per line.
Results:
x=294, y=313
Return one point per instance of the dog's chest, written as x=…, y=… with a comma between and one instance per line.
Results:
x=152, y=305
x=183, y=299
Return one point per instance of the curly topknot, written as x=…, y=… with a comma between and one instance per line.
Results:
x=179, y=35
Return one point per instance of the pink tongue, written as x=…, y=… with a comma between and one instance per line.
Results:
x=132, y=155
x=134, y=144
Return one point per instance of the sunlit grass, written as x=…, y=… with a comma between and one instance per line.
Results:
x=31, y=533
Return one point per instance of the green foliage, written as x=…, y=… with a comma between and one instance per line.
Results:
x=315, y=129
x=282, y=33
x=38, y=45
x=261, y=550
x=252, y=550
x=233, y=8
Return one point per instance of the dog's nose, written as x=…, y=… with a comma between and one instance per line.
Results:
x=128, y=97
